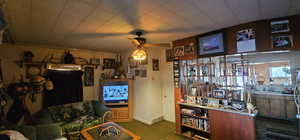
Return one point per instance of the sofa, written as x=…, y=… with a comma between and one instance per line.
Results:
x=72, y=118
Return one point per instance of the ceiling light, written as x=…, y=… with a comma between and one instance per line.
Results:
x=139, y=54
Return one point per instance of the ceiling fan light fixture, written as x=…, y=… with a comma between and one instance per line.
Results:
x=139, y=54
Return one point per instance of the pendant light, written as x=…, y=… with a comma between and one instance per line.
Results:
x=139, y=54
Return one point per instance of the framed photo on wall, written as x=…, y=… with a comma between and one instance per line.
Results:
x=89, y=76
x=211, y=44
x=178, y=51
x=155, y=64
x=280, y=26
x=169, y=55
x=108, y=63
x=282, y=41
x=189, y=49
x=245, y=40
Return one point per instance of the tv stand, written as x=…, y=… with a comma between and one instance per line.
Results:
x=121, y=112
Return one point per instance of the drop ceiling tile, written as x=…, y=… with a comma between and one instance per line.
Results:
x=73, y=14
x=274, y=8
x=246, y=10
x=20, y=13
x=217, y=11
x=44, y=16
x=294, y=7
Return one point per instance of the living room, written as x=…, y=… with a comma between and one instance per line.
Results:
x=149, y=69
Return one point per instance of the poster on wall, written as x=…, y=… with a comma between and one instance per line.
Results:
x=245, y=40
x=189, y=49
x=178, y=51
x=169, y=55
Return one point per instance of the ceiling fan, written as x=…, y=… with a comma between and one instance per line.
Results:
x=140, y=41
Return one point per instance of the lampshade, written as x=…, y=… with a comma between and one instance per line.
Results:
x=139, y=54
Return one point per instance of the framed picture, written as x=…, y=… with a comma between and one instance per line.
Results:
x=155, y=64
x=280, y=26
x=178, y=51
x=245, y=40
x=169, y=55
x=143, y=73
x=108, y=63
x=219, y=93
x=193, y=91
x=89, y=76
x=189, y=49
x=211, y=44
x=282, y=41
x=191, y=99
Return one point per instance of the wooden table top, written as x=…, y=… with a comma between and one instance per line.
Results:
x=87, y=136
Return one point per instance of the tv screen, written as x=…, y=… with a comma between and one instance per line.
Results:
x=211, y=44
x=115, y=93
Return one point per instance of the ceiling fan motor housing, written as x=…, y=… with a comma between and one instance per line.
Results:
x=141, y=40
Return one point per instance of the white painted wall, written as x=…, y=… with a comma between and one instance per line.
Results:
x=11, y=72
x=149, y=92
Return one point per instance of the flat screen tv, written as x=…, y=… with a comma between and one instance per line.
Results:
x=211, y=44
x=115, y=93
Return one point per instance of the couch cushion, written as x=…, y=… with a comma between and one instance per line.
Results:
x=48, y=131
x=71, y=112
x=82, y=123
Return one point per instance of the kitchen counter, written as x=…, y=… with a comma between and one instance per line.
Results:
x=220, y=109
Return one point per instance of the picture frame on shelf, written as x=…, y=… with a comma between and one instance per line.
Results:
x=191, y=99
x=211, y=44
x=282, y=41
x=219, y=93
x=193, y=91
x=280, y=26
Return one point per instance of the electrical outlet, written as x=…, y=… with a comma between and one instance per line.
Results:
x=298, y=116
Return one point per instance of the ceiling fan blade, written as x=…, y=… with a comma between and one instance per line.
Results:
x=165, y=45
x=135, y=42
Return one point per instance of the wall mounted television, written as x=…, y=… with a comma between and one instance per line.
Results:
x=210, y=44
x=115, y=93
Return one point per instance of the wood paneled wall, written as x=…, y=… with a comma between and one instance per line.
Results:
x=262, y=31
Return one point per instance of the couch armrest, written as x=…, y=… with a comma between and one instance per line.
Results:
x=42, y=117
x=99, y=108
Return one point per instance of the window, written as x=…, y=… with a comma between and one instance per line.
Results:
x=280, y=72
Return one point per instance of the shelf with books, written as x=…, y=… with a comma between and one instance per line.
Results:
x=185, y=125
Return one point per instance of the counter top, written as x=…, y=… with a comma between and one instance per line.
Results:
x=271, y=93
x=219, y=109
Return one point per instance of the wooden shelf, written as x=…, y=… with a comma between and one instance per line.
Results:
x=200, y=117
x=194, y=138
x=194, y=128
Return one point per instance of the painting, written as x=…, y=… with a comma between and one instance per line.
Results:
x=89, y=76
x=155, y=64
x=245, y=40
x=211, y=44
x=108, y=63
x=280, y=26
x=169, y=55
x=282, y=41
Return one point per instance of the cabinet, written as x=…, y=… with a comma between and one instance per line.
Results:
x=275, y=106
x=121, y=111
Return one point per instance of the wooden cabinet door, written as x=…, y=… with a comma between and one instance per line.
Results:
x=291, y=110
x=263, y=105
x=277, y=107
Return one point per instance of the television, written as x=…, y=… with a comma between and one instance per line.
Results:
x=115, y=93
x=211, y=44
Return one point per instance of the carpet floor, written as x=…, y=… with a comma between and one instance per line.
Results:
x=162, y=130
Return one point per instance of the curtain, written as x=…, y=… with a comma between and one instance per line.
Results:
x=67, y=88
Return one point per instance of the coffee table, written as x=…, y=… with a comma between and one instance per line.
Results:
x=108, y=131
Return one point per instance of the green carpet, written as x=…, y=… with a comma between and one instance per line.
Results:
x=162, y=130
